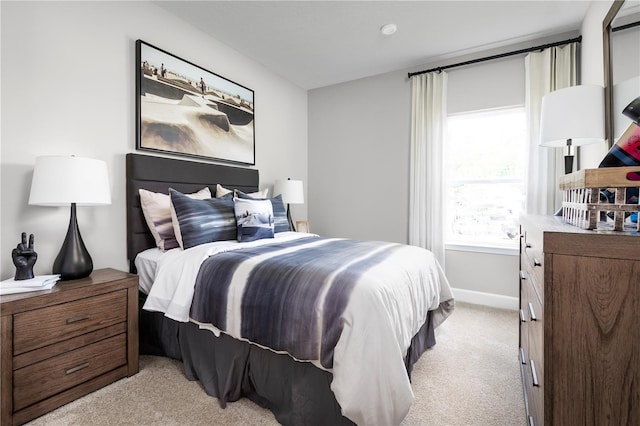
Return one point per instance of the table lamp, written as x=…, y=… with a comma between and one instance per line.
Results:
x=570, y=117
x=70, y=180
x=292, y=193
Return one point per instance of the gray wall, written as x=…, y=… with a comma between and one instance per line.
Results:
x=68, y=88
x=359, y=158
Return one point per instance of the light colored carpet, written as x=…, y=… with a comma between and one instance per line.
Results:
x=471, y=377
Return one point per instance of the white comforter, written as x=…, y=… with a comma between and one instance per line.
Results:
x=369, y=376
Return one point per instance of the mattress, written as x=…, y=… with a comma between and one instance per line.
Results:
x=146, y=263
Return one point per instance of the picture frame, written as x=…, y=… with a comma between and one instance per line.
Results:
x=302, y=226
x=186, y=110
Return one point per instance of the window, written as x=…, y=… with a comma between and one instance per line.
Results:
x=485, y=181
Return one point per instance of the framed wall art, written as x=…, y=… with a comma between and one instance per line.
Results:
x=302, y=226
x=184, y=109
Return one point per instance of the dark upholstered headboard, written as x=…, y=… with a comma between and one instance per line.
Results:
x=158, y=174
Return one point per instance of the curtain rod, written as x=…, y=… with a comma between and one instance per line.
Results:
x=501, y=55
x=624, y=27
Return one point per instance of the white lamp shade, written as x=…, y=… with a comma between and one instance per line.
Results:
x=575, y=113
x=62, y=180
x=291, y=191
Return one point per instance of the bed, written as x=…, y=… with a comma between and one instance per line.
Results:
x=231, y=361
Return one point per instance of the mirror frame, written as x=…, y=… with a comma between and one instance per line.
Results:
x=608, y=74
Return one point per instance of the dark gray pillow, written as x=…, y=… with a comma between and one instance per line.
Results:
x=279, y=211
x=198, y=222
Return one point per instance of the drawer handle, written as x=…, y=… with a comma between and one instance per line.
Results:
x=523, y=275
x=532, y=313
x=78, y=319
x=523, y=360
x=536, y=262
x=527, y=245
x=534, y=374
x=522, y=318
x=77, y=368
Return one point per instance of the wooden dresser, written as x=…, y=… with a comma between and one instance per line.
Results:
x=63, y=343
x=579, y=324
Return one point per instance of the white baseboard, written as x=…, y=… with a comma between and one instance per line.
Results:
x=486, y=299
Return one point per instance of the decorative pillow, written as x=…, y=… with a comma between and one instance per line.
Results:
x=198, y=222
x=280, y=220
x=221, y=191
x=254, y=219
x=156, y=208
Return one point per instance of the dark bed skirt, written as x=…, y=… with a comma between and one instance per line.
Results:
x=298, y=393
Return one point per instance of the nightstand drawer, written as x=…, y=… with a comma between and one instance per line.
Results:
x=41, y=380
x=41, y=327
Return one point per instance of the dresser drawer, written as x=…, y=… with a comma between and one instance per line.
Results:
x=534, y=313
x=41, y=327
x=524, y=322
x=533, y=259
x=43, y=379
x=530, y=406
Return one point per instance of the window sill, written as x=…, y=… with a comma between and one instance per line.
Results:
x=488, y=249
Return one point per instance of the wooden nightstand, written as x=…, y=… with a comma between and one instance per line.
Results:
x=63, y=343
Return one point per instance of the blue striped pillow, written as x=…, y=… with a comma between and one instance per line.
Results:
x=198, y=222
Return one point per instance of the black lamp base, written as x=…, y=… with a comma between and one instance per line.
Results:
x=291, y=227
x=73, y=260
x=568, y=164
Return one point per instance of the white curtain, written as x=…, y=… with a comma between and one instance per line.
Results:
x=426, y=188
x=548, y=70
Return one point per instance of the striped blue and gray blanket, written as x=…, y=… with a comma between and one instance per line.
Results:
x=290, y=295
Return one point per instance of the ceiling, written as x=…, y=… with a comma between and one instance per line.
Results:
x=319, y=43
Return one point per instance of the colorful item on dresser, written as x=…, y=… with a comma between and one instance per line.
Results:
x=626, y=152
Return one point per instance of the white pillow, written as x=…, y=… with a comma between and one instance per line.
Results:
x=157, y=212
x=221, y=191
x=254, y=219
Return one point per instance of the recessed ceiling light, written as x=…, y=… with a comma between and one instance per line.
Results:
x=388, y=29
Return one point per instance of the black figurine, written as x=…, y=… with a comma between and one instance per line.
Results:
x=24, y=257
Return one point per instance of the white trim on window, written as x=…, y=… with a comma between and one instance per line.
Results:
x=488, y=249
